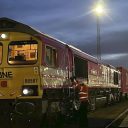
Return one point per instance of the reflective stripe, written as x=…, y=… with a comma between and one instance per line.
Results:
x=82, y=93
x=83, y=97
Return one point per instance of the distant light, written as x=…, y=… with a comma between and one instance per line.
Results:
x=99, y=10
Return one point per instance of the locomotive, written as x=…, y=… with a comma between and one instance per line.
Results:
x=35, y=77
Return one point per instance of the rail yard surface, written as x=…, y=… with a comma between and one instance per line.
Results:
x=106, y=117
x=103, y=117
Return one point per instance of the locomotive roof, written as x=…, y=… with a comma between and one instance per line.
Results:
x=7, y=24
x=10, y=25
x=83, y=54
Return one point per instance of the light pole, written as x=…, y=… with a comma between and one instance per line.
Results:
x=98, y=39
x=99, y=10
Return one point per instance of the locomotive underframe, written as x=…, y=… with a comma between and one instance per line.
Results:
x=103, y=96
x=20, y=113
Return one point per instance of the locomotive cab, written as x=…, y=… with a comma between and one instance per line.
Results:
x=20, y=90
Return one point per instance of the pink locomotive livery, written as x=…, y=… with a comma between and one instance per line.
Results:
x=124, y=81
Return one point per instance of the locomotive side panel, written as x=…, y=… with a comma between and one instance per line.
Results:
x=93, y=74
x=124, y=80
x=102, y=80
x=54, y=69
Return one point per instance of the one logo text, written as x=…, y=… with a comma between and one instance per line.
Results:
x=6, y=75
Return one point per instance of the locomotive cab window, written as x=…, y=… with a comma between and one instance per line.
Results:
x=50, y=56
x=81, y=68
x=22, y=52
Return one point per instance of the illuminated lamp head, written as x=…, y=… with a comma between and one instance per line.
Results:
x=99, y=10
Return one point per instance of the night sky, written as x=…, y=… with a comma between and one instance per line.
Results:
x=73, y=22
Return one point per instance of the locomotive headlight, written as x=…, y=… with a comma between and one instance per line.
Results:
x=27, y=91
x=30, y=90
x=4, y=36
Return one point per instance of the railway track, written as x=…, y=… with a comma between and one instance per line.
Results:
x=108, y=117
